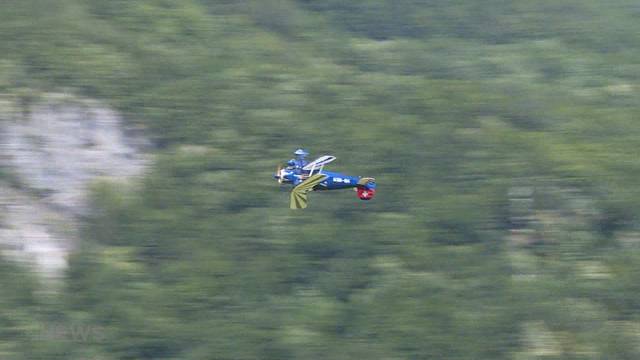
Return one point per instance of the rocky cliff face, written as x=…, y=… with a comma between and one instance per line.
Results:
x=49, y=153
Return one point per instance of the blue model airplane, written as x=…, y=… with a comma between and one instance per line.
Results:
x=307, y=177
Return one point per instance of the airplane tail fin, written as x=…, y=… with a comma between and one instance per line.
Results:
x=366, y=188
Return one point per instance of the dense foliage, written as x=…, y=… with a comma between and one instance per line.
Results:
x=503, y=136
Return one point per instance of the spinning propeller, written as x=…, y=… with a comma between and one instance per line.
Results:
x=280, y=174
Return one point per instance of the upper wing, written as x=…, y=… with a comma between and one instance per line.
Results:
x=317, y=163
x=299, y=193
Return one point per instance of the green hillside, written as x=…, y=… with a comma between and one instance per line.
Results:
x=504, y=137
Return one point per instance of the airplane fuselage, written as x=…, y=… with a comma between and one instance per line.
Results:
x=334, y=180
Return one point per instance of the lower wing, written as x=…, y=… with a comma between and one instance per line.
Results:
x=299, y=193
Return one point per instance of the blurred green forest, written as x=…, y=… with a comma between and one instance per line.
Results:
x=504, y=137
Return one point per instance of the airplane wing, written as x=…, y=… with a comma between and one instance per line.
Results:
x=319, y=162
x=299, y=193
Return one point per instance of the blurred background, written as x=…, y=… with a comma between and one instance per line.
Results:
x=139, y=218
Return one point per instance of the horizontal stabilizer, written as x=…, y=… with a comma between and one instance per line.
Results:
x=365, y=180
